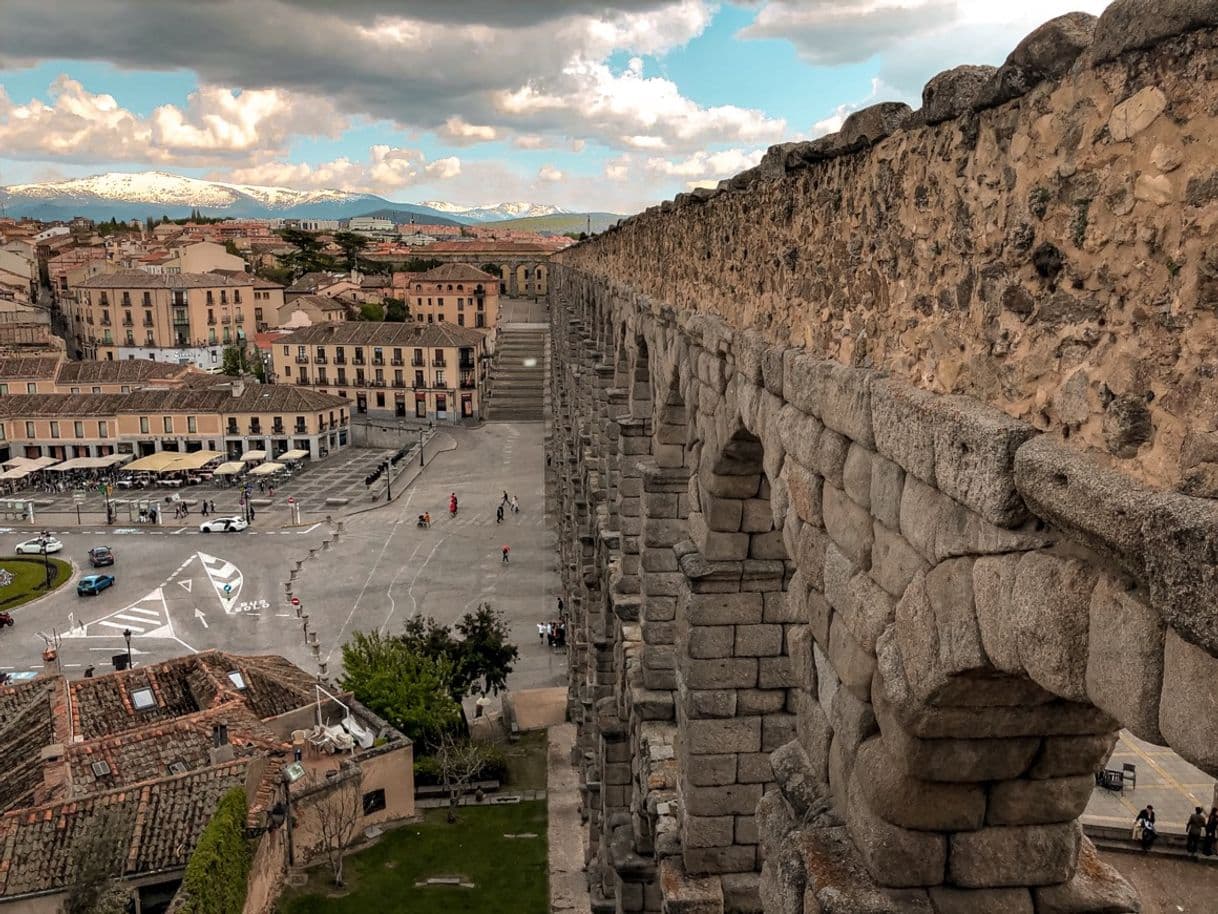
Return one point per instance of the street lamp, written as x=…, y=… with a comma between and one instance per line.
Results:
x=388, y=474
x=127, y=638
x=46, y=559
x=421, y=447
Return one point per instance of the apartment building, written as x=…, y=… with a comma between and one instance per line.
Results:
x=455, y=293
x=54, y=374
x=188, y=318
x=435, y=371
x=233, y=420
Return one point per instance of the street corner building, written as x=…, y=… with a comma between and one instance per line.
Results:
x=148, y=753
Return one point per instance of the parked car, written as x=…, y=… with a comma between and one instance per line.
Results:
x=101, y=555
x=93, y=584
x=35, y=546
x=223, y=525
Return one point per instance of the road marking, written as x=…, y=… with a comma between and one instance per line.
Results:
x=201, y=617
x=226, y=579
x=186, y=584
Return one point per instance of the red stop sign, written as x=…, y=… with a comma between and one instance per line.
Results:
x=291, y=500
x=295, y=601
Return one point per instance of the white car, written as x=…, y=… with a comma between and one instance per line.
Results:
x=34, y=546
x=224, y=525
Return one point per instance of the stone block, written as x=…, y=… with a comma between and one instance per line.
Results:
x=887, y=481
x=1051, y=599
x=903, y=424
x=729, y=486
x=1066, y=756
x=814, y=735
x=800, y=434
x=715, y=737
x=727, y=673
x=1014, y=856
x=950, y=900
x=1127, y=25
x=993, y=585
x=846, y=401
x=804, y=490
x=799, y=649
x=782, y=607
x=820, y=616
x=1181, y=542
x=953, y=92
x=895, y=857
x=741, y=891
x=811, y=555
x=739, y=858
x=856, y=475
x=719, y=513
x=754, y=769
x=893, y=561
x=772, y=361
x=768, y=546
x=708, y=831
x=1095, y=888
x=849, y=526
x=658, y=559
x=721, y=608
x=854, y=666
x=800, y=382
x=726, y=800
x=776, y=673
x=868, y=611
x=897, y=797
x=760, y=701
x=709, y=703
x=757, y=517
x=1038, y=802
x=831, y=456
x=712, y=770
x=663, y=633
x=685, y=894
x=724, y=547
x=711, y=641
x=1097, y=506
x=1125, y=658
x=777, y=730
x=975, y=447
x=827, y=680
x=757, y=640
x=1188, y=711
x=837, y=575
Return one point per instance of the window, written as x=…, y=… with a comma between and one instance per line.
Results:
x=144, y=425
x=31, y=387
x=101, y=430
x=101, y=769
x=143, y=699
x=460, y=320
x=258, y=315
x=374, y=801
x=235, y=677
x=78, y=429
x=126, y=388
x=439, y=377
x=29, y=430
x=75, y=390
x=287, y=350
x=96, y=389
x=3, y=390
x=380, y=400
x=54, y=429
x=192, y=424
x=3, y=437
x=167, y=422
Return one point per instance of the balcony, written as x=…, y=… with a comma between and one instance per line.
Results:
x=255, y=429
x=320, y=358
x=397, y=363
x=468, y=382
x=226, y=319
x=378, y=361
x=438, y=363
x=147, y=322
x=302, y=379
x=302, y=360
x=300, y=430
x=358, y=362
x=340, y=360
x=399, y=384
x=278, y=430
x=240, y=318
x=466, y=365
x=211, y=322
x=232, y=430
x=379, y=382
x=417, y=363
x=105, y=322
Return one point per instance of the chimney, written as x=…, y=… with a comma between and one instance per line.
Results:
x=54, y=773
x=238, y=387
x=221, y=748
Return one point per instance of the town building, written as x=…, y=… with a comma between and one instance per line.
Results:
x=307, y=310
x=523, y=267
x=146, y=754
x=18, y=273
x=454, y=293
x=331, y=285
x=435, y=371
x=198, y=257
x=371, y=224
x=54, y=374
x=182, y=317
x=230, y=419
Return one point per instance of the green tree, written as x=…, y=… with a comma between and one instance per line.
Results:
x=217, y=874
x=493, y=268
x=371, y=311
x=235, y=362
x=411, y=691
x=396, y=310
x=421, y=264
x=308, y=256
x=481, y=658
x=230, y=247
x=351, y=244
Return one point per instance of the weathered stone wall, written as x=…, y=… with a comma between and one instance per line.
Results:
x=1053, y=256
x=840, y=642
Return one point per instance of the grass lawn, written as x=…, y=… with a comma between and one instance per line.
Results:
x=526, y=760
x=510, y=875
x=28, y=577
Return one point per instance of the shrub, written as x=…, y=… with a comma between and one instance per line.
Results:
x=493, y=767
x=218, y=872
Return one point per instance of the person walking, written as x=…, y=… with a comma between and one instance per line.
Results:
x=1193, y=830
x=499, y=513
x=505, y=498
x=1211, y=833
x=452, y=504
x=506, y=550
x=515, y=505
x=562, y=607
x=204, y=509
x=1144, y=827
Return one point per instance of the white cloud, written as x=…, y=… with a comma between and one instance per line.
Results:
x=461, y=133
x=706, y=166
x=550, y=173
x=214, y=125
x=388, y=169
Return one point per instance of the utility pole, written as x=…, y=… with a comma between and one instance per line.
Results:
x=388, y=475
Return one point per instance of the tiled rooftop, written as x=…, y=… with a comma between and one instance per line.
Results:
x=196, y=399
x=371, y=333
x=139, y=279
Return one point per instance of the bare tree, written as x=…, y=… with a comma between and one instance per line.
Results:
x=339, y=807
x=459, y=761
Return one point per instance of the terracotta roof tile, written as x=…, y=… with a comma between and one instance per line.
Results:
x=372, y=333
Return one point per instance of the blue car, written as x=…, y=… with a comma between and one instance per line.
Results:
x=93, y=584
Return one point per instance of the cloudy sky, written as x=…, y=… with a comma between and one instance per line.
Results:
x=589, y=104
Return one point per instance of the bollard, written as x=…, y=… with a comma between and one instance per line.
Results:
x=287, y=588
x=312, y=553
x=322, y=666
x=299, y=610
x=325, y=545
x=299, y=564
x=316, y=650
x=292, y=573
x=340, y=527
x=312, y=637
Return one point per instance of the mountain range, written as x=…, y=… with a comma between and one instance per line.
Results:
x=138, y=195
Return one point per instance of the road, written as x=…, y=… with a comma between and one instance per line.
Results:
x=183, y=591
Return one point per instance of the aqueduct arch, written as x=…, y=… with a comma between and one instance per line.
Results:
x=836, y=619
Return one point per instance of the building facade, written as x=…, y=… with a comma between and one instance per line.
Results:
x=231, y=420
x=435, y=372
x=455, y=293
x=188, y=318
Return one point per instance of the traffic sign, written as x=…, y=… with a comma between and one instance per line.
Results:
x=295, y=601
x=291, y=499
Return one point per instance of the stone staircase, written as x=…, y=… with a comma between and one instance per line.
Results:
x=518, y=375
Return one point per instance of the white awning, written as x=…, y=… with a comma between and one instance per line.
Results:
x=18, y=462
x=266, y=469
x=42, y=463
x=251, y=456
x=75, y=463
x=16, y=473
x=232, y=468
x=294, y=454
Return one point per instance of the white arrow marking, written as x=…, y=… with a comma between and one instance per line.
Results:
x=186, y=584
x=202, y=618
x=226, y=579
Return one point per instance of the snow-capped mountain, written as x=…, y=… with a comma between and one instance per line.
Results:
x=137, y=195
x=500, y=211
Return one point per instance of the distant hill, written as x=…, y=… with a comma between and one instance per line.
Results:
x=561, y=223
x=400, y=216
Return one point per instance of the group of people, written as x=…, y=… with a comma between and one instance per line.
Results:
x=507, y=501
x=1200, y=832
x=553, y=633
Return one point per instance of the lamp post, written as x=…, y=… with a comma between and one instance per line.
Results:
x=127, y=638
x=421, y=448
x=46, y=558
x=388, y=473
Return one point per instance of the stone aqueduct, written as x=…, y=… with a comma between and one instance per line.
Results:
x=840, y=642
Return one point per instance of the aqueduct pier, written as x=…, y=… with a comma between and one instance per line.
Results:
x=882, y=475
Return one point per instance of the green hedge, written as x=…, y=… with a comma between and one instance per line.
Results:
x=218, y=872
x=494, y=767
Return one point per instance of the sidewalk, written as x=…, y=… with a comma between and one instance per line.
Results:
x=568, y=880
x=439, y=443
